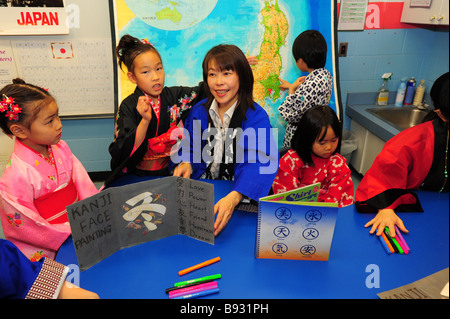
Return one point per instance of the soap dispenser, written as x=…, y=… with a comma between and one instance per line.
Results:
x=418, y=98
x=401, y=92
x=383, y=92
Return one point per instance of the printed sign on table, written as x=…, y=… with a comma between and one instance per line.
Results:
x=124, y=216
x=293, y=225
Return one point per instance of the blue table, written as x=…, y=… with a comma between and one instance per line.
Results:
x=146, y=270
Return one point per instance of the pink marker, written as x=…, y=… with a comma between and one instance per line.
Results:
x=193, y=289
x=401, y=240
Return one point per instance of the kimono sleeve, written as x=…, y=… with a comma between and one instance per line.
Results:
x=20, y=278
x=340, y=187
x=184, y=98
x=85, y=186
x=400, y=168
x=24, y=226
x=127, y=121
x=289, y=173
x=315, y=90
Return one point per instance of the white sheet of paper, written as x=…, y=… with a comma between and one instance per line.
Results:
x=444, y=291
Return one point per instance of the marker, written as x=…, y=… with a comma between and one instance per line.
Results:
x=198, y=280
x=191, y=290
x=388, y=243
x=188, y=285
x=199, y=294
x=400, y=250
x=400, y=237
x=385, y=246
x=201, y=265
x=400, y=243
x=389, y=239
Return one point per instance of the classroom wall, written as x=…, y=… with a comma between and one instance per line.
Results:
x=387, y=45
x=406, y=51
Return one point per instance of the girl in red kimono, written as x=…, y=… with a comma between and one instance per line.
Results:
x=416, y=158
x=314, y=158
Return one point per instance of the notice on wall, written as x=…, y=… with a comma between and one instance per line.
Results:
x=76, y=67
x=8, y=68
x=352, y=14
x=420, y=3
x=78, y=73
x=22, y=17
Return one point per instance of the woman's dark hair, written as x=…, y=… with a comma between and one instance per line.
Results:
x=439, y=94
x=230, y=57
x=30, y=98
x=311, y=47
x=129, y=48
x=310, y=127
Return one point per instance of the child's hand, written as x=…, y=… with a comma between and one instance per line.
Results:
x=224, y=210
x=285, y=85
x=296, y=84
x=386, y=217
x=252, y=60
x=183, y=170
x=144, y=108
x=70, y=291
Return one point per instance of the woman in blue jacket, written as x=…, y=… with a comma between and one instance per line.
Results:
x=228, y=135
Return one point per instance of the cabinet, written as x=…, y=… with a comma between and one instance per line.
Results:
x=369, y=146
x=436, y=14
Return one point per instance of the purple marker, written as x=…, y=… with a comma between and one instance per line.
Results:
x=400, y=237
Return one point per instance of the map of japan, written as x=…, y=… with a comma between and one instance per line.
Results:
x=183, y=31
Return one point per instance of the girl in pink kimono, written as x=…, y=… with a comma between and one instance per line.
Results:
x=42, y=176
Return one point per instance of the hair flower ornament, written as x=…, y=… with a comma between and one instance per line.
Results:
x=145, y=41
x=12, y=110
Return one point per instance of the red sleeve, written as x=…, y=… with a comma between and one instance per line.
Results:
x=289, y=173
x=340, y=187
x=401, y=166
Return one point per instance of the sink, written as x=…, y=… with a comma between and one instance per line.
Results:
x=400, y=117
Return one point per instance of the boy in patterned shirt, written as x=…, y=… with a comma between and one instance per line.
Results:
x=310, y=53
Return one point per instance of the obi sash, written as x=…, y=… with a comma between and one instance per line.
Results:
x=157, y=156
x=52, y=207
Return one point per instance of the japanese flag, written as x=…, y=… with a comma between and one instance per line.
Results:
x=62, y=50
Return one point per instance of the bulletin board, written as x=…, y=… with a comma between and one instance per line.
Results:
x=76, y=68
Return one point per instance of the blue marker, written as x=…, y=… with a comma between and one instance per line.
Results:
x=384, y=245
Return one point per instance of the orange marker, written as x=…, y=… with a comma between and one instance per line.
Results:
x=388, y=243
x=201, y=265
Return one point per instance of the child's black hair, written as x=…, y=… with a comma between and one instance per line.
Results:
x=129, y=48
x=439, y=94
x=30, y=98
x=310, y=128
x=311, y=47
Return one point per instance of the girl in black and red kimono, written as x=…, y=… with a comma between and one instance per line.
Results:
x=147, y=117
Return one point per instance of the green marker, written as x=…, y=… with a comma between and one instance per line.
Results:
x=394, y=240
x=198, y=280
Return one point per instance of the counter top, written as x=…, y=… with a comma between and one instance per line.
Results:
x=356, y=109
